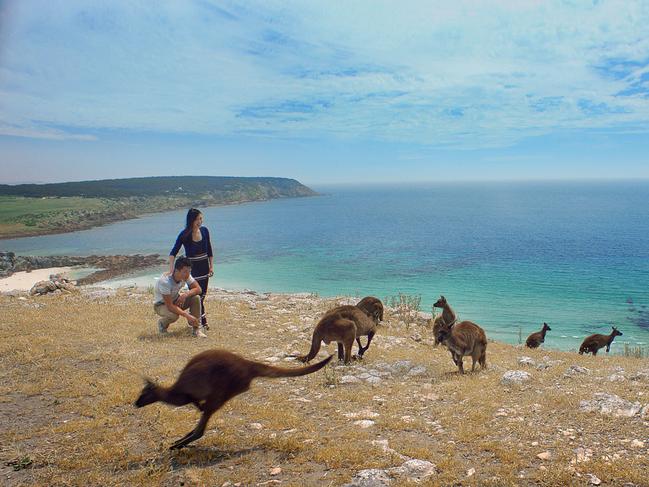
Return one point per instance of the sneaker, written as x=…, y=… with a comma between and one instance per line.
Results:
x=162, y=329
x=199, y=333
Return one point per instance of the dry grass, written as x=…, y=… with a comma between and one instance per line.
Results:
x=70, y=369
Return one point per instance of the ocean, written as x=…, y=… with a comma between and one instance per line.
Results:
x=508, y=256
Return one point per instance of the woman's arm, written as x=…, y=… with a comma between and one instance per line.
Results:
x=210, y=254
x=174, y=251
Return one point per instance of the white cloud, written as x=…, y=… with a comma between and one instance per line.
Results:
x=463, y=74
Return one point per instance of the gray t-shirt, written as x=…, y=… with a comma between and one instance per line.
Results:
x=167, y=285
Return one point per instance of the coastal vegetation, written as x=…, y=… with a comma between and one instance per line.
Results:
x=36, y=209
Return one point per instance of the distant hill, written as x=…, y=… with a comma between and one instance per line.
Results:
x=37, y=209
x=214, y=187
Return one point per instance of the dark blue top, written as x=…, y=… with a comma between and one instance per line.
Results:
x=192, y=249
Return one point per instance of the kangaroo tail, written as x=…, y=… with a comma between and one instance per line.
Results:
x=315, y=348
x=264, y=370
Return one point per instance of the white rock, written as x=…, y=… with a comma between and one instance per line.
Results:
x=544, y=455
x=364, y=423
x=577, y=369
x=373, y=380
x=616, y=378
x=593, y=480
x=415, y=469
x=470, y=472
x=526, y=361
x=512, y=377
x=372, y=477
x=349, y=379
x=417, y=371
x=610, y=404
x=637, y=444
x=275, y=471
x=255, y=426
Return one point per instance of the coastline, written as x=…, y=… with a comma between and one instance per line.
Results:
x=109, y=218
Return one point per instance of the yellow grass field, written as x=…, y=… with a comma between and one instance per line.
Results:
x=72, y=365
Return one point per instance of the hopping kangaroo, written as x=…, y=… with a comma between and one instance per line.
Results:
x=344, y=324
x=594, y=342
x=535, y=339
x=462, y=339
x=209, y=380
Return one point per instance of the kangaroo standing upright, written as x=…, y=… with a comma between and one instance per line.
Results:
x=209, y=380
x=535, y=339
x=464, y=338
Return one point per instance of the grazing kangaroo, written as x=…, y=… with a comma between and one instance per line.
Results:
x=535, y=339
x=594, y=342
x=209, y=380
x=462, y=339
x=344, y=324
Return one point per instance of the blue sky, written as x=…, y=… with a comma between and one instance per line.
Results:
x=331, y=91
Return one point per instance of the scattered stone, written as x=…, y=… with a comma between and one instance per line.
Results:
x=577, y=369
x=544, y=455
x=255, y=426
x=373, y=380
x=275, y=471
x=526, y=361
x=372, y=477
x=582, y=455
x=593, y=480
x=470, y=472
x=515, y=377
x=364, y=423
x=349, y=379
x=417, y=371
x=637, y=444
x=415, y=470
x=610, y=404
x=616, y=378
x=415, y=337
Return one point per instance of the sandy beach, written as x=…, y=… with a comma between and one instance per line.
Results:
x=23, y=281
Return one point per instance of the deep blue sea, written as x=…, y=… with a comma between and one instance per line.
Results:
x=505, y=255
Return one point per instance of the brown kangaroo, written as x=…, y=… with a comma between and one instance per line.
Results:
x=594, y=342
x=209, y=380
x=464, y=338
x=344, y=324
x=535, y=339
x=448, y=316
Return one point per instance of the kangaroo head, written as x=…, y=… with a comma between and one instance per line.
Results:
x=373, y=307
x=148, y=395
x=378, y=311
x=546, y=327
x=616, y=332
x=440, y=303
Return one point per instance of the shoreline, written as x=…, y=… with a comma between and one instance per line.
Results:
x=104, y=289
x=109, y=219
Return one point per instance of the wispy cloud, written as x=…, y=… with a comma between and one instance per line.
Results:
x=461, y=74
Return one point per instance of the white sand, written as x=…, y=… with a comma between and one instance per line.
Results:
x=23, y=281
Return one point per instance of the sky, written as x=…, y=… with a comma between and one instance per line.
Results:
x=324, y=91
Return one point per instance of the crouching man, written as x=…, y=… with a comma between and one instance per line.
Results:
x=170, y=305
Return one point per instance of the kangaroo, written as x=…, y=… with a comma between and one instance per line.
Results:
x=344, y=324
x=594, y=342
x=209, y=380
x=448, y=316
x=464, y=338
x=535, y=339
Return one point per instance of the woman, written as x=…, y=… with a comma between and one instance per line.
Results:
x=198, y=248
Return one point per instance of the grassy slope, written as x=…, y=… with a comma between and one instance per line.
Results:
x=54, y=208
x=69, y=376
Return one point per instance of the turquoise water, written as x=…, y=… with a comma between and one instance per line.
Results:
x=575, y=255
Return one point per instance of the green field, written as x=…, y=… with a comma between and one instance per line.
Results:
x=30, y=216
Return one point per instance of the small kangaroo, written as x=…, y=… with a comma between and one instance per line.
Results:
x=209, y=380
x=448, y=316
x=594, y=342
x=535, y=339
x=464, y=338
x=344, y=324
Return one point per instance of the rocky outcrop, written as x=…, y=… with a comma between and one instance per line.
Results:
x=56, y=282
x=110, y=265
